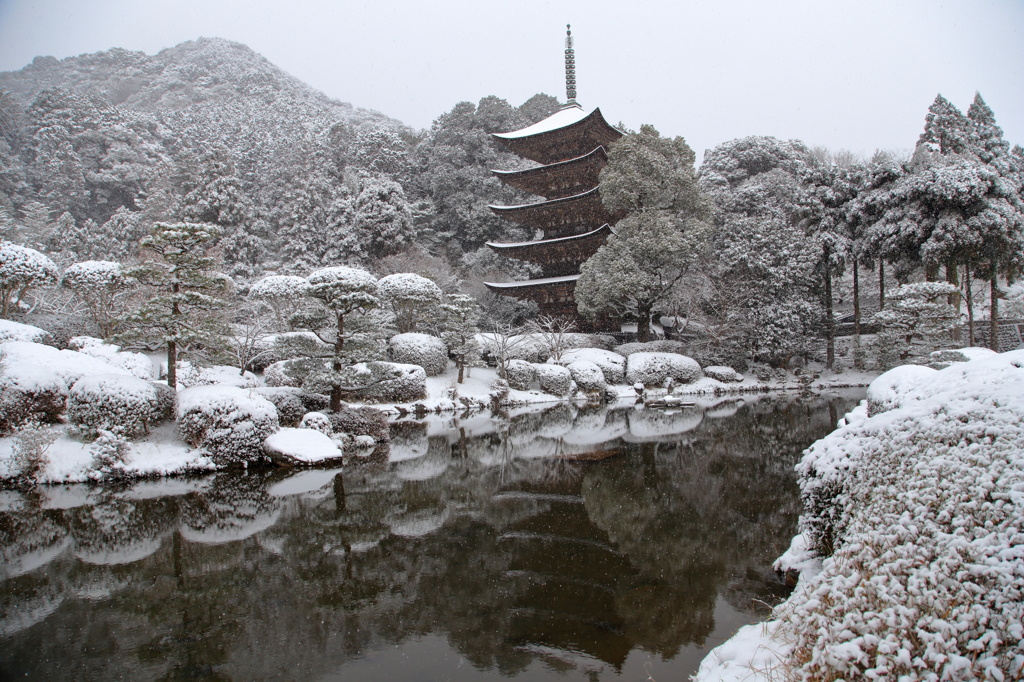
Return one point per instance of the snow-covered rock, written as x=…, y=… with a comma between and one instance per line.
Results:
x=520, y=374
x=723, y=374
x=301, y=447
x=651, y=369
x=16, y=331
x=113, y=402
x=429, y=352
x=555, y=379
x=587, y=375
x=612, y=365
x=229, y=423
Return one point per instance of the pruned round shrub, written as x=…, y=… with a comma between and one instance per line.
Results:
x=555, y=379
x=587, y=375
x=723, y=373
x=276, y=375
x=318, y=421
x=289, y=408
x=660, y=346
x=135, y=363
x=16, y=331
x=651, y=369
x=361, y=421
x=31, y=394
x=429, y=352
x=612, y=365
x=112, y=402
x=388, y=382
x=226, y=421
x=165, y=400
x=520, y=374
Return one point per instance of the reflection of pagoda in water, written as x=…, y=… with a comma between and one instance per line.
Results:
x=571, y=145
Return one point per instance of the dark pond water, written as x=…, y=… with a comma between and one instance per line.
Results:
x=491, y=549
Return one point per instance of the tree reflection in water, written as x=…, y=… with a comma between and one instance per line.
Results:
x=513, y=541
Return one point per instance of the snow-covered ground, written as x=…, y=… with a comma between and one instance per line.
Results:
x=920, y=494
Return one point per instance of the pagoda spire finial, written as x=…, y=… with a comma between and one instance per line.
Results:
x=570, y=69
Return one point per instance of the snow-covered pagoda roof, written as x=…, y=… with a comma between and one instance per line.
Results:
x=565, y=134
x=558, y=215
x=531, y=283
x=561, y=179
x=606, y=228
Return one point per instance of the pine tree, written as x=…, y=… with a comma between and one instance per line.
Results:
x=181, y=312
x=461, y=316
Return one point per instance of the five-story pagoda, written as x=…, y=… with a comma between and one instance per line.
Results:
x=571, y=146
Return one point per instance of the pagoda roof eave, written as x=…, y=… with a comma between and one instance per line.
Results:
x=598, y=151
x=563, y=118
x=500, y=246
x=530, y=283
x=549, y=202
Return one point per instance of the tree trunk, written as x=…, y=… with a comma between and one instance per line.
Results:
x=462, y=369
x=856, y=300
x=830, y=322
x=643, y=324
x=969, y=290
x=953, y=277
x=172, y=364
x=339, y=346
x=881, y=284
x=993, y=330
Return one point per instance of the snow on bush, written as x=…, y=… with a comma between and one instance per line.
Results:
x=429, y=352
x=663, y=346
x=279, y=287
x=229, y=423
x=289, y=407
x=520, y=374
x=361, y=421
x=16, y=331
x=612, y=365
x=408, y=383
x=587, y=375
x=888, y=390
x=21, y=269
x=112, y=402
x=30, y=394
x=555, y=379
x=529, y=347
x=723, y=373
x=651, y=369
x=917, y=513
x=68, y=365
x=136, y=363
x=318, y=421
x=302, y=447
x=190, y=375
x=275, y=375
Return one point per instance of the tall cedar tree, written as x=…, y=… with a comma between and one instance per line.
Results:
x=185, y=291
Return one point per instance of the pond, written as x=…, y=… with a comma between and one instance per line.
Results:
x=570, y=544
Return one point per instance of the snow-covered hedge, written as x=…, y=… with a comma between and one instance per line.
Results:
x=587, y=375
x=661, y=346
x=113, y=402
x=555, y=379
x=30, y=394
x=16, y=331
x=279, y=287
x=408, y=383
x=318, y=421
x=289, y=406
x=190, y=375
x=916, y=512
x=723, y=373
x=136, y=364
x=651, y=369
x=520, y=374
x=226, y=421
x=275, y=375
x=429, y=352
x=612, y=365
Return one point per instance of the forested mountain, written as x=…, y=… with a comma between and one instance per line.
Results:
x=94, y=149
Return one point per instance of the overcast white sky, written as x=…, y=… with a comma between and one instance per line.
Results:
x=858, y=74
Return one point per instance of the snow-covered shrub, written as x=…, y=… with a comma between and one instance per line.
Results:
x=21, y=269
x=112, y=402
x=30, y=394
x=723, y=374
x=166, y=397
x=555, y=379
x=919, y=314
x=429, y=352
x=411, y=296
x=660, y=346
x=282, y=293
x=227, y=422
x=289, y=408
x=529, y=347
x=108, y=451
x=136, y=364
x=190, y=375
x=16, y=331
x=360, y=421
x=29, y=459
x=651, y=369
x=520, y=374
x=318, y=421
x=388, y=382
x=612, y=365
x=587, y=375
x=889, y=390
x=275, y=375
x=915, y=514
x=498, y=393
x=68, y=365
